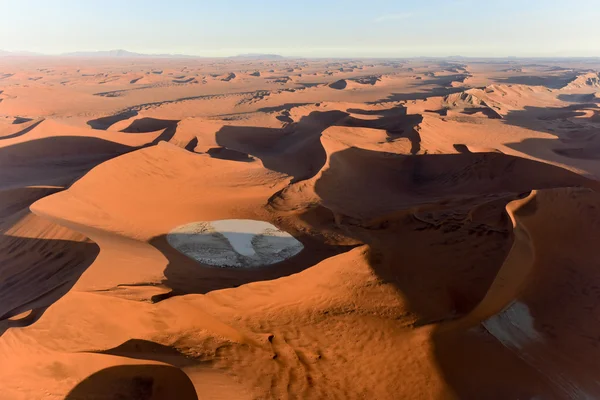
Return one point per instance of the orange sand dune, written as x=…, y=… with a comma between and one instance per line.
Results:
x=443, y=217
x=532, y=281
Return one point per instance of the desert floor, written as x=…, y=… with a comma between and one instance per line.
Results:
x=429, y=229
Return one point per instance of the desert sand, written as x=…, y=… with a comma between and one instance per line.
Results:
x=246, y=228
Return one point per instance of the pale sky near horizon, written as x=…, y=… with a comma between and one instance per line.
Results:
x=334, y=28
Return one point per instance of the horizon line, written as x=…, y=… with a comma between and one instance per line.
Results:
x=258, y=55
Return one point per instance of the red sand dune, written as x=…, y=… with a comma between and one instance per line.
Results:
x=448, y=228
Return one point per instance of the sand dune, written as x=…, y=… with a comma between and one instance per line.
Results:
x=421, y=180
x=355, y=83
x=515, y=307
x=42, y=260
x=591, y=79
x=339, y=85
x=283, y=229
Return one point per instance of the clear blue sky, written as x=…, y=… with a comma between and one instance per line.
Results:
x=381, y=28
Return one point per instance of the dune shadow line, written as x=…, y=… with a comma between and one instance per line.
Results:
x=23, y=131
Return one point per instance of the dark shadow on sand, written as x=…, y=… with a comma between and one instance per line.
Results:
x=146, y=125
x=579, y=98
x=283, y=107
x=38, y=272
x=550, y=81
x=224, y=153
x=395, y=121
x=23, y=131
x=105, y=122
x=420, y=95
x=135, y=382
x=575, y=139
x=443, y=255
x=141, y=349
x=56, y=160
x=296, y=149
x=26, y=320
x=543, y=118
x=405, y=181
x=488, y=112
x=21, y=120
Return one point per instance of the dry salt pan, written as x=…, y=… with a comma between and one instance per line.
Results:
x=241, y=243
x=514, y=326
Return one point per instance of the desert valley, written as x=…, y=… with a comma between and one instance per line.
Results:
x=260, y=227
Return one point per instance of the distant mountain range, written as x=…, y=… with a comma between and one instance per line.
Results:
x=4, y=53
x=120, y=53
x=129, y=54
x=255, y=56
x=123, y=54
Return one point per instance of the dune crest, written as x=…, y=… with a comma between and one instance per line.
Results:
x=513, y=309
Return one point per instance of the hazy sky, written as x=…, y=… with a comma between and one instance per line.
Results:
x=378, y=28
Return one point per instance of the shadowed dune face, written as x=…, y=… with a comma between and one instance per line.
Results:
x=14, y=201
x=21, y=120
x=105, y=122
x=150, y=351
x=437, y=204
x=38, y=272
x=394, y=121
x=339, y=85
x=579, y=98
x=421, y=94
x=230, y=76
x=539, y=117
x=580, y=153
x=59, y=148
x=551, y=81
x=485, y=111
x=144, y=125
x=296, y=150
x=529, y=284
x=41, y=261
x=368, y=80
x=224, y=153
x=406, y=181
x=575, y=128
x=58, y=160
x=23, y=131
x=136, y=382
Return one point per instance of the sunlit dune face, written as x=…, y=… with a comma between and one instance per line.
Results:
x=234, y=243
